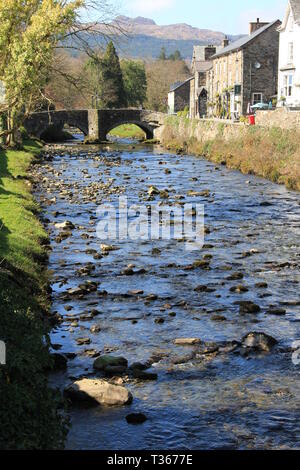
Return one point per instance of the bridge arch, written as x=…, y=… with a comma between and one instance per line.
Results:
x=38, y=123
x=142, y=125
x=56, y=128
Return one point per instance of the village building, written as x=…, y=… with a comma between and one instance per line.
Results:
x=244, y=72
x=201, y=64
x=289, y=57
x=179, y=96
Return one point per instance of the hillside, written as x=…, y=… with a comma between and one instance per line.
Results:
x=144, y=38
x=181, y=31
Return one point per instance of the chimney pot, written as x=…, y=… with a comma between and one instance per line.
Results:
x=225, y=42
x=254, y=26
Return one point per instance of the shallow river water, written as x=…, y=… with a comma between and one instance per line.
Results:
x=200, y=400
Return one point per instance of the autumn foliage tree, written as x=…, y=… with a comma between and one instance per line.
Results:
x=160, y=75
x=29, y=32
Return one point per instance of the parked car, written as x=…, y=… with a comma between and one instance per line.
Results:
x=260, y=106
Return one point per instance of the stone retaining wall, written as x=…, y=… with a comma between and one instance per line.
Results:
x=280, y=117
x=202, y=130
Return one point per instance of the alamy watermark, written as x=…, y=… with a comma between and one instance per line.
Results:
x=152, y=222
x=296, y=353
x=2, y=353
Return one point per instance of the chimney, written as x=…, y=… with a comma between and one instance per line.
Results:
x=254, y=26
x=225, y=42
x=209, y=51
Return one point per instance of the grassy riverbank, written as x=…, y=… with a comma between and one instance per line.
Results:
x=28, y=408
x=271, y=153
x=128, y=131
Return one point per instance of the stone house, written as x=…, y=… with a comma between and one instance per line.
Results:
x=289, y=57
x=179, y=96
x=201, y=64
x=244, y=72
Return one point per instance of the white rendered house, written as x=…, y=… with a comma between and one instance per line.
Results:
x=289, y=57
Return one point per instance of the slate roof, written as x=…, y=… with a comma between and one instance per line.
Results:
x=202, y=65
x=177, y=85
x=295, y=6
x=240, y=43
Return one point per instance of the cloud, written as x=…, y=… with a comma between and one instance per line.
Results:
x=147, y=7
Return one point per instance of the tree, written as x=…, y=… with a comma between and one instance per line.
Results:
x=94, y=80
x=135, y=82
x=108, y=79
x=175, y=56
x=29, y=32
x=163, y=55
x=68, y=85
x=160, y=75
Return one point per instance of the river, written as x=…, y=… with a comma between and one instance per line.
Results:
x=202, y=399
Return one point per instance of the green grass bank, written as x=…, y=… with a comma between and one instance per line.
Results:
x=271, y=153
x=29, y=409
x=128, y=131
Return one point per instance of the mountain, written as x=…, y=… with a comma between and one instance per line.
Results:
x=142, y=38
x=145, y=38
x=181, y=31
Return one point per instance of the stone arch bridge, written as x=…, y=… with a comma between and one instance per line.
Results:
x=95, y=124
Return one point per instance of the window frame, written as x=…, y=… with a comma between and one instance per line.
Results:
x=256, y=101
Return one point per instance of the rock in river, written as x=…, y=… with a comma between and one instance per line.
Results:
x=108, y=248
x=142, y=375
x=259, y=341
x=65, y=225
x=102, y=362
x=249, y=307
x=136, y=418
x=99, y=392
x=187, y=341
x=81, y=341
x=276, y=311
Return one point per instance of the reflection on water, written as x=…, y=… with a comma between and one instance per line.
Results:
x=216, y=401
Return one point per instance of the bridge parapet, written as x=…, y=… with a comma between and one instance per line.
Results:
x=94, y=123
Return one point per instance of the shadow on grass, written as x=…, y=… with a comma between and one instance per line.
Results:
x=4, y=231
x=4, y=173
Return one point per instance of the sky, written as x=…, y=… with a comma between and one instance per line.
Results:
x=228, y=16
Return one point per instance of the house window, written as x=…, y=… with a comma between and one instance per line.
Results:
x=237, y=90
x=287, y=85
x=256, y=98
x=291, y=52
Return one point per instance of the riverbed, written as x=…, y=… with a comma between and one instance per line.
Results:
x=151, y=292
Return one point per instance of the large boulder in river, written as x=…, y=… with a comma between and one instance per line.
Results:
x=259, y=341
x=98, y=392
x=187, y=341
x=102, y=362
x=65, y=225
x=247, y=306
